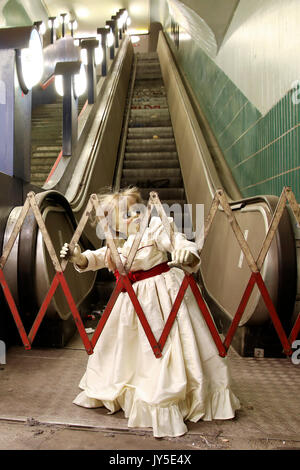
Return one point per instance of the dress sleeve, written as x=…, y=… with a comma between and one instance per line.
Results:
x=163, y=243
x=96, y=260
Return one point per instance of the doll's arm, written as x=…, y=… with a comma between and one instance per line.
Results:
x=86, y=261
x=185, y=257
x=75, y=256
x=184, y=252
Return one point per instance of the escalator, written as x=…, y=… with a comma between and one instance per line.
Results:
x=152, y=155
x=29, y=268
x=46, y=138
x=151, y=160
x=148, y=159
x=148, y=156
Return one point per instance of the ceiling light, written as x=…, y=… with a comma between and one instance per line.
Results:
x=30, y=63
x=80, y=82
x=135, y=39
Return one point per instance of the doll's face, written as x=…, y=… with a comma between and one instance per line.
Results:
x=123, y=218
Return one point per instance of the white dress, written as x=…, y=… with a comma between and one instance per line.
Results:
x=189, y=382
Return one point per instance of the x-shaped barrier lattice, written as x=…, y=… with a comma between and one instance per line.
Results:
x=124, y=283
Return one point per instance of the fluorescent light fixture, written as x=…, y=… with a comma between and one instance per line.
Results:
x=110, y=39
x=120, y=22
x=136, y=8
x=82, y=12
x=41, y=27
x=125, y=16
x=99, y=55
x=80, y=82
x=65, y=18
x=135, y=39
x=73, y=25
x=59, y=85
x=31, y=62
x=84, y=56
x=53, y=23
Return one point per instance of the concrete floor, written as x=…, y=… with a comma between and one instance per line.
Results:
x=36, y=411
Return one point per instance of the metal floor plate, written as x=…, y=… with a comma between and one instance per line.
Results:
x=42, y=383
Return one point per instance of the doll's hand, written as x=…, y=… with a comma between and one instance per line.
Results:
x=74, y=256
x=183, y=257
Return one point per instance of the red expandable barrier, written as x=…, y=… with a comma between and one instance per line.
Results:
x=123, y=283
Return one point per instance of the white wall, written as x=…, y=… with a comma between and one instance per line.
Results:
x=260, y=52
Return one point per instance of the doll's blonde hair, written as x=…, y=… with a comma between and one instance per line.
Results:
x=109, y=198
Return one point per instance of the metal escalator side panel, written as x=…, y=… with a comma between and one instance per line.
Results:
x=288, y=259
x=60, y=230
x=26, y=272
x=225, y=271
x=35, y=269
x=9, y=270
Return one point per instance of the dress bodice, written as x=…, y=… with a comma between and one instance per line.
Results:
x=153, y=249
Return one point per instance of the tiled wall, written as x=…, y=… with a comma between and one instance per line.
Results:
x=262, y=151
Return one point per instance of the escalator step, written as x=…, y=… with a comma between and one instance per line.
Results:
x=165, y=193
x=150, y=155
x=41, y=155
x=151, y=121
x=151, y=148
x=40, y=175
x=42, y=162
x=152, y=173
x=177, y=205
x=150, y=89
x=151, y=142
x=53, y=148
x=150, y=132
x=171, y=182
x=149, y=101
x=145, y=113
x=139, y=164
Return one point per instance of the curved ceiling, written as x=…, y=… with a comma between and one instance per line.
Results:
x=216, y=13
x=92, y=14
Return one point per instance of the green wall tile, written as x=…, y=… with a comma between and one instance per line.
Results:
x=262, y=151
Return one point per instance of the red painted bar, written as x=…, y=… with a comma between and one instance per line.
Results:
x=54, y=166
x=295, y=330
x=202, y=305
x=43, y=309
x=107, y=312
x=83, y=108
x=275, y=319
x=14, y=311
x=48, y=82
x=87, y=344
x=239, y=313
x=154, y=344
x=173, y=314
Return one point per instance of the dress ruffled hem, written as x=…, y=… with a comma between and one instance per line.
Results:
x=167, y=420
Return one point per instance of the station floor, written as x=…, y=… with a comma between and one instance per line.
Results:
x=36, y=411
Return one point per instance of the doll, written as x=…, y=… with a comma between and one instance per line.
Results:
x=190, y=381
